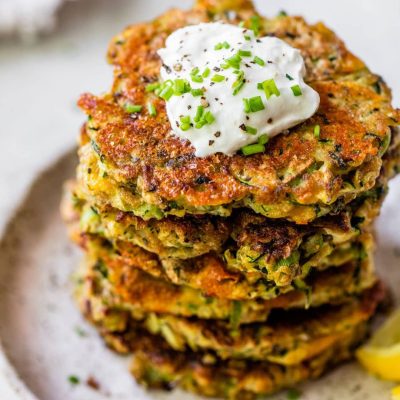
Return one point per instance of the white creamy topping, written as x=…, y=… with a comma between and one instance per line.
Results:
x=246, y=100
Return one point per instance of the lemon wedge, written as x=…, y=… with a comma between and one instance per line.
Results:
x=381, y=355
x=396, y=393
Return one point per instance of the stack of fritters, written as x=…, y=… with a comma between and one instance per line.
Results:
x=232, y=276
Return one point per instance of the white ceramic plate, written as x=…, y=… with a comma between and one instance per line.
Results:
x=46, y=340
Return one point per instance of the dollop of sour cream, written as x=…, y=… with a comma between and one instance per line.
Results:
x=231, y=89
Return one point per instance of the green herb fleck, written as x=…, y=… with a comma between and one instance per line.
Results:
x=269, y=87
x=197, y=92
x=259, y=61
x=263, y=139
x=253, y=104
x=253, y=149
x=132, y=108
x=73, y=380
x=239, y=83
x=206, y=73
x=293, y=394
x=289, y=77
x=296, y=89
x=151, y=109
x=255, y=24
x=317, y=131
x=244, y=53
x=151, y=87
x=218, y=78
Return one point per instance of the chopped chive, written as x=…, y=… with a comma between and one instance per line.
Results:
x=256, y=104
x=181, y=86
x=241, y=24
x=239, y=82
x=250, y=130
x=151, y=109
x=199, y=113
x=234, y=61
x=73, y=380
x=317, y=131
x=244, y=53
x=269, y=87
x=132, y=108
x=185, y=119
x=282, y=13
x=206, y=73
x=197, y=92
x=185, y=127
x=166, y=93
x=247, y=37
x=259, y=61
x=222, y=45
x=200, y=124
x=246, y=105
x=255, y=24
x=253, y=149
x=197, y=78
x=209, y=117
x=151, y=87
x=194, y=71
x=253, y=104
x=289, y=77
x=218, y=78
x=296, y=90
x=263, y=139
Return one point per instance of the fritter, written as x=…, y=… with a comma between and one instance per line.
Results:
x=299, y=177
x=275, y=250
x=156, y=366
x=288, y=338
x=124, y=286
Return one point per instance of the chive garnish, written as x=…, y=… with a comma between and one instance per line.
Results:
x=250, y=130
x=218, y=78
x=73, y=380
x=151, y=109
x=234, y=61
x=166, y=92
x=151, y=87
x=239, y=82
x=197, y=92
x=263, y=139
x=253, y=149
x=222, y=45
x=185, y=122
x=259, y=61
x=209, y=117
x=181, y=86
x=253, y=104
x=289, y=77
x=317, y=131
x=197, y=78
x=244, y=53
x=199, y=113
x=132, y=108
x=247, y=37
x=296, y=90
x=269, y=87
x=255, y=24
x=206, y=73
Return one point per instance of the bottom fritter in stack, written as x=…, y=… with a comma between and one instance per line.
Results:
x=232, y=307
x=231, y=276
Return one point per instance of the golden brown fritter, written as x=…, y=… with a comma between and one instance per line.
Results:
x=299, y=177
x=156, y=366
x=125, y=285
x=288, y=338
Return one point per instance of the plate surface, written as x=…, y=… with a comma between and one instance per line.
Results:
x=46, y=340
